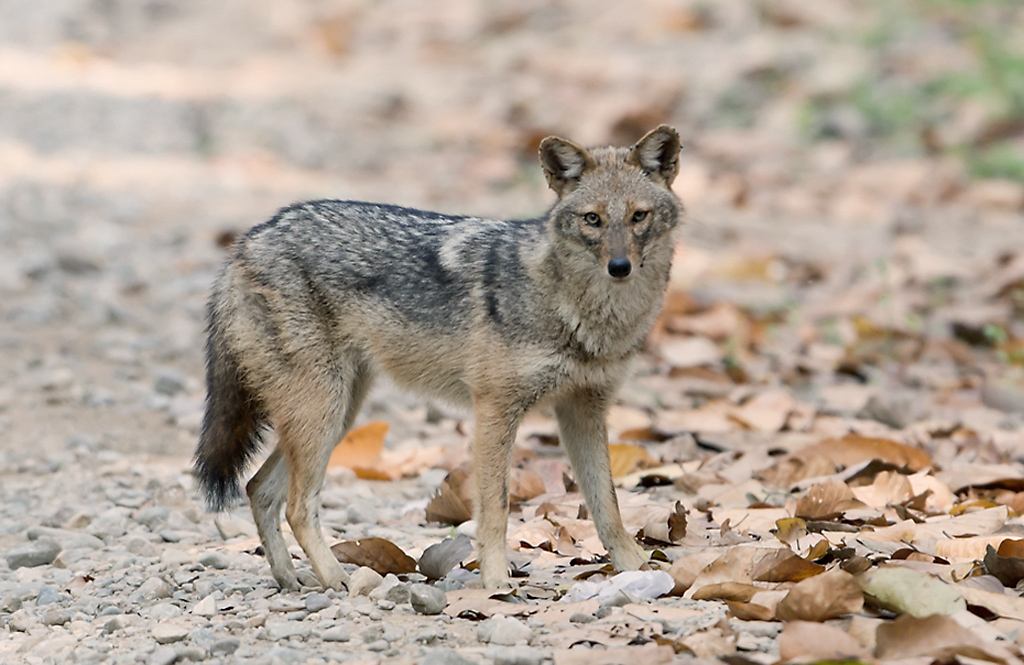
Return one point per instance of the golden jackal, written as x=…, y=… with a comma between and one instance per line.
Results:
x=500, y=315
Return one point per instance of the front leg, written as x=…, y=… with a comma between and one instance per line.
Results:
x=496, y=425
x=583, y=430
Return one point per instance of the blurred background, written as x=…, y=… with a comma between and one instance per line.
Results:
x=853, y=174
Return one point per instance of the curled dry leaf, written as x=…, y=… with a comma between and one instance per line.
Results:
x=440, y=558
x=853, y=449
x=938, y=637
x=906, y=591
x=730, y=591
x=831, y=594
x=379, y=554
x=809, y=641
x=626, y=459
x=826, y=500
x=784, y=565
x=524, y=485
x=1007, y=569
x=361, y=447
x=669, y=531
x=452, y=503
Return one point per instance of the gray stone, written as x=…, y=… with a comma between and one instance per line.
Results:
x=113, y=624
x=10, y=604
x=163, y=611
x=47, y=595
x=215, y=560
x=40, y=552
x=504, y=631
x=168, y=632
x=519, y=655
x=190, y=652
x=317, y=601
x=151, y=516
x=335, y=634
x=445, y=657
x=427, y=599
x=393, y=634
x=169, y=536
x=363, y=581
x=169, y=382
x=154, y=588
x=372, y=634
x=112, y=523
x=225, y=647
x=207, y=607
x=582, y=617
x=286, y=655
x=21, y=621
x=110, y=610
x=378, y=646
x=56, y=617
x=280, y=629
x=68, y=539
x=162, y=656
x=398, y=594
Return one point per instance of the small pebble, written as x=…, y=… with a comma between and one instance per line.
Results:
x=47, y=595
x=162, y=656
x=427, y=599
x=169, y=536
x=154, y=588
x=215, y=560
x=582, y=617
x=379, y=645
x=168, y=632
x=56, y=617
x=316, y=602
x=518, y=655
x=363, y=581
x=280, y=629
x=335, y=634
x=225, y=647
x=113, y=624
x=445, y=657
x=39, y=552
x=10, y=604
x=504, y=631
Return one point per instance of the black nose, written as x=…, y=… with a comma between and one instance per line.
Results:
x=619, y=267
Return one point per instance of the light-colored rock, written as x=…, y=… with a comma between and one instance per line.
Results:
x=280, y=629
x=207, y=607
x=40, y=552
x=427, y=599
x=363, y=581
x=154, y=588
x=505, y=631
x=335, y=634
x=167, y=632
x=231, y=526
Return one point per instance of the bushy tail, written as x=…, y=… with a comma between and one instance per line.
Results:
x=232, y=427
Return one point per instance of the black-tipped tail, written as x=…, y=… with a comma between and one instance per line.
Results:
x=232, y=427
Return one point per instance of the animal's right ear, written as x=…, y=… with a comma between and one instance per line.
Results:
x=564, y=162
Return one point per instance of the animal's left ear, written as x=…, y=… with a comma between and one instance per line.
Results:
x=657, y=154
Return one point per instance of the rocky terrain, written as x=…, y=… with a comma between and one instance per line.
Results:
x=852, y=266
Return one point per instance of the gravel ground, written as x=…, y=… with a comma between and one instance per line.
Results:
x=137, y=138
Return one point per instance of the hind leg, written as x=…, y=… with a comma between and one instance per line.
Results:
x=307, y=439
x=266, y=493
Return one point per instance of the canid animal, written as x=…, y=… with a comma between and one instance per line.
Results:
x=500, y=315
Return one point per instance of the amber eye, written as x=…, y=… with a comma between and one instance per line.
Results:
x=640, y=215
x=592, y=219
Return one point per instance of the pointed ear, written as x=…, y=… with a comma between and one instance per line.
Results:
x=563, y=162
x=657, y=154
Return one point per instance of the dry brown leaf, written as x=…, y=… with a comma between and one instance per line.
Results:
x=766, y=412
x=525, y=485
x=936, y=636
x=626, y=459
x=790, y=529
x=792, y=469
x=452, y=504
x=438, y=559
x=826, y=500
x=379, y=554
x=483, y=602
x=669, y=531
x=807, y=641
x=1007, y=569
x=395, y=464
x=784, y=565
x=537, y=533
x=750, y=611
x=685, y=570
x=1011, y=607
x=888, y=489
x=829, y=595
x=361, y=447
x=733, y=591
x=854, y=449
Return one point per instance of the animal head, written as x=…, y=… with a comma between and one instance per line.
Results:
x=614, y=203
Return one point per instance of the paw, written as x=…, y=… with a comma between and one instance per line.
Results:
x=630, y=557
x=288, y=581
